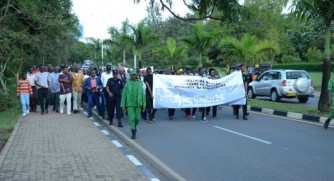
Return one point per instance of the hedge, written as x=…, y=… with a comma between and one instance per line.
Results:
x=311, y=67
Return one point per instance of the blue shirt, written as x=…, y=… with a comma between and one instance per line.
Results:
x=54, y=82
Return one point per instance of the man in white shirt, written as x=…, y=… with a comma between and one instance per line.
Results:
x=41, y=80
x=33, y=99
x=105, y=76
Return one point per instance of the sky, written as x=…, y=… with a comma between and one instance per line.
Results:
x=96, y=16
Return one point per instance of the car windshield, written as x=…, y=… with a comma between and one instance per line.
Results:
x=296, y=75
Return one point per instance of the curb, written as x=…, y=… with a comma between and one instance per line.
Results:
x=170, y=173
x=5, y=150
x=293, y=115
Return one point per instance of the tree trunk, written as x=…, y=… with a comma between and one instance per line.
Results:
x=124, y=61
x=140, y=63
x=326, y=75
x=200, y=60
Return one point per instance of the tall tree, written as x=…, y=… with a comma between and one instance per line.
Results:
x=323, y=12
x=200, y=40
x=171, y=53
x=249, y=49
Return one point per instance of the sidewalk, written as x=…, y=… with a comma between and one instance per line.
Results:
x=64, y=147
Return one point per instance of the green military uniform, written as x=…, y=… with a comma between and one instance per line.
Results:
x=331, y=89
x=133, y=99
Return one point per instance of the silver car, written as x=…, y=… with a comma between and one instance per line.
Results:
x=282, y=84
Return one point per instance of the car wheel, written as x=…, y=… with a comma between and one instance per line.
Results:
x=303, y=99
x=250, y=93
x=274, y=96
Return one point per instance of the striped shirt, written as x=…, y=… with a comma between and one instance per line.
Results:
x=23, y=87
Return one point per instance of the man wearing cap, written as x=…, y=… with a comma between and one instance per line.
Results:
x=133, y=101
x=41, y=80
x=105, y=76
x=114, y=89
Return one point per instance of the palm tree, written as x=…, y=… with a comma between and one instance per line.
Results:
x=248, y=49
x=120, y=38
x=172, y=53
x=200, y=40
x=140, y=37
x=98, y=47
x=321, y=11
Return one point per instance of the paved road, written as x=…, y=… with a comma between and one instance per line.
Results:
x=262, y=148
x=64, y=147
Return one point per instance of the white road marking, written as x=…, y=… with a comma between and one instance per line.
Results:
x=96, y=124
x=240, y=134
x=105, y=132
x=155, y=179
x=134, y=160
x=118, y=145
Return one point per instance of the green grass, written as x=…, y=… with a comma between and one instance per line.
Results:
x=317, y=79
x=297, y=108
x=9, y=117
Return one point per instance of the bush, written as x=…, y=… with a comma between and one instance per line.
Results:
x=314, y=55
x=291, y=59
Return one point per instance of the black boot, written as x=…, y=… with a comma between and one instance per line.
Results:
x=327, y=123
x=120, y=123
x=111, y=121
x=133, y=134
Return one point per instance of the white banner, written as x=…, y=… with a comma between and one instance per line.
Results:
x=174, y=91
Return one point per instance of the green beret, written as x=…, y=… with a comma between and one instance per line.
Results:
x=133, y=72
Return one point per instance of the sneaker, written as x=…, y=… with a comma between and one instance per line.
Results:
x=68, y=113
x=204, y=119
x=61, y=112
x=170, y=117
x=193, y=117
x=27, y=112
x=24, y=114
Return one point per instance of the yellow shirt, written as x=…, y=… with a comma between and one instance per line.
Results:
x=77, y=81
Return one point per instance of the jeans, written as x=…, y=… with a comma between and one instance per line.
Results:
x=68, y=102
x=25, y=102
x=93, y=97
x=76, y=100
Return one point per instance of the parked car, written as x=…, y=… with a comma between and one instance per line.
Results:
x=282, y=84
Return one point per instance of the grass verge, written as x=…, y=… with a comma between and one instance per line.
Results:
x=280, y=106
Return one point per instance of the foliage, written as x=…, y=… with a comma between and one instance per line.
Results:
x=312, y=67
x=290, y=59
x=249, y=49
x=171, y=53
x=314, y=55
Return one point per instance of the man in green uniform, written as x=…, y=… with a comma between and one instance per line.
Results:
x=330, y=102
x=133, y=101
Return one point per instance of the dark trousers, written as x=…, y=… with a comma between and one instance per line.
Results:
x=171, y=112
x=187, y=111
x=214, y=110
x=115, y=104
x=55, y=100
x=149, y=107
x=43, y=95
x=244, y=109
x=33, y=99
x=108, y=104
x=93, y=98
x=194, y=111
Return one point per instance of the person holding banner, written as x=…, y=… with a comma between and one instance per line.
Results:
x=201, y=72
x=244, y=107
x=133, y=101
x=148, y=80
x=188, y=73
x=212, y=75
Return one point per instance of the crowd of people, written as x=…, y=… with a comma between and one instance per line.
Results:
x=114, y=90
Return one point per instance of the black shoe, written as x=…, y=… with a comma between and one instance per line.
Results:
x=89, y=116
x=244, y=117
x=120, y=123
x=327, y=123
x=237, y=117
x=102, y=117
x=170, y=117
x=46, y=111
x=214, y=116
x=133, y=134
x=111, y=122
x=42, y=113
x=247, y=114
